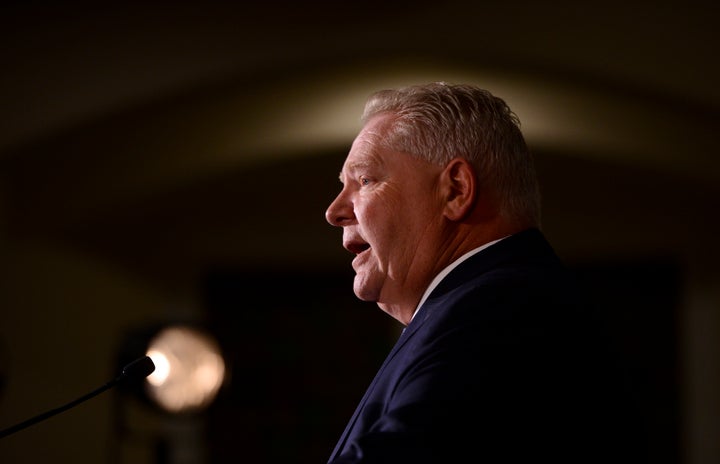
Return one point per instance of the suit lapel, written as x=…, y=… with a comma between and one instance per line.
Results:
x=368, y=393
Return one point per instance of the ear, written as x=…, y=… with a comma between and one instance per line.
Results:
x=459, y=188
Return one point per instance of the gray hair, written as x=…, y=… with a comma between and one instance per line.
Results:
x=439, y=121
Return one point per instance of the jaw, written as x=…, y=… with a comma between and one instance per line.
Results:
x=397, y=312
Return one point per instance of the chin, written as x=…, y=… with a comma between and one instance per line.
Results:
x=362, y=291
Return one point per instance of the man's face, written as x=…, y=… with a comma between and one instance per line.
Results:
x=390, y=211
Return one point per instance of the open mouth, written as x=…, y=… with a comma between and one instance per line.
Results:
x=357, y=247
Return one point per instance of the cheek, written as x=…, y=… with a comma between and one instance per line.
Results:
x=382, y=214
x=393, y=237
x=392, y=213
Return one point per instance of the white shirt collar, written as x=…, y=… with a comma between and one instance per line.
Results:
x=438, y=278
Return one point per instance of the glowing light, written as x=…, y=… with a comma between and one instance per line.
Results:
x=162, y=368
x=189, y=369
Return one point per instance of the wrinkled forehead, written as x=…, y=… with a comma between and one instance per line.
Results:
x=366, y=153
x=368, y=148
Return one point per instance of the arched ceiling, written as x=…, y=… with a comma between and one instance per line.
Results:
x=114, y=112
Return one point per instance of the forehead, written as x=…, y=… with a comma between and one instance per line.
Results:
x=363, y=161
x=367, y=149
x=373, y=133
x=364, y=153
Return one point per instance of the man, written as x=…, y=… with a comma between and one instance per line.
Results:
x=502, y=359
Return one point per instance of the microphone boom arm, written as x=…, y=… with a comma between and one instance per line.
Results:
x=140, y=368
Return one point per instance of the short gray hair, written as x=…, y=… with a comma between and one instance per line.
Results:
x=439, y=121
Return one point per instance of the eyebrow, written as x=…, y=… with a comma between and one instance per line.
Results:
x=354, y=167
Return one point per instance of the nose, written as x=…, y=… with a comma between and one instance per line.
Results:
x=340, y=211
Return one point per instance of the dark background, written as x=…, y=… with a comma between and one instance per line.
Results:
x=299, y=362
x=172, y=161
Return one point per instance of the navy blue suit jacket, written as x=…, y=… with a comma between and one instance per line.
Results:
x=504, y=362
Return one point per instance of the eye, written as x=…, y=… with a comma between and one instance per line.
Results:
x=364, y=181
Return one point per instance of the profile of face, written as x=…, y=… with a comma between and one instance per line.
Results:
x=390, y=210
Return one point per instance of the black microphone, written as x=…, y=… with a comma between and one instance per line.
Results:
x=138, y=369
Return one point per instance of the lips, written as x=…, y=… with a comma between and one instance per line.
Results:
x=361, y=257
x=356, y=247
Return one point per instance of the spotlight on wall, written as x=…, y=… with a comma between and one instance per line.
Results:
x=189, y=367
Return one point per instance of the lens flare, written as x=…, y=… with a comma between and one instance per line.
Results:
x=189, y=369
